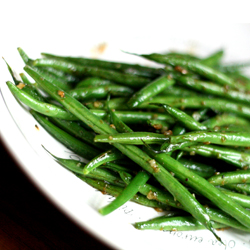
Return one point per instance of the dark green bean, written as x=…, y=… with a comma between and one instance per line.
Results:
x=214, y=89
x=75, y=129
x=66, y=139
x=229, y=155
x=81, y=70
x=196, y=67
x=127, y=68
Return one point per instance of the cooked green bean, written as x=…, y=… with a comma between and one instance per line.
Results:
x=186, y=120
x=93, y=82
x=127, y=194
x=187, y=223
x=201, y=169
x=214, y=59
x=135, y=117
x=228, y=138
x=151, y=89
x=229, y=155
x=225, y=119
x=216, y=104
x=40, y=106
x=108, y=156
x=134, y=138
x=98, y=173
x=81, y=70
x=236, y=177
x=133, y=69
x=196, y=67
x=214, y=89
x=174, y=180
x=204, y=187
x=75, y=129
x=66, y=139
x=240, y=188
x=83, y=94
x=242, y=199
x=133, y=152
x=114, y=190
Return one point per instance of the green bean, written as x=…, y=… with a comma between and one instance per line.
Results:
x=196, y=67
x=93, y=81
x=229, y=155
x=133, y=69
x=200, y=169
x=186, y=120
x=236, y=177
x=81, y=70
x=240, y=188
x=214, y=59
x=134, y=138
x=187, y=223
x=25, y=86
x=119, y=168
x=120, y=126
x=114, y=190
x=40, y=106
x=216, y=104
x=204, y=187
x=51, y=73
x=137, y=155
x=241, y=199
x=108, y=156
x=135, y=117
x=234, y=67
x=151, y=89
x=160, y=195
x=75, y=129
x=66, y=139
x=241, y=139
x=128, y=193
x=214, y=89
x=99, y=174
x=159, y=125
x=225, y=119
x=179, y=91
x=100, y=92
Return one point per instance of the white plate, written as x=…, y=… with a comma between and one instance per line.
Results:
x=79, y=201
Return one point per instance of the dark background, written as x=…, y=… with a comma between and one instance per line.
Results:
x=28, y=220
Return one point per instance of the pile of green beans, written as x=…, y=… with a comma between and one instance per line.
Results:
x=173, y=137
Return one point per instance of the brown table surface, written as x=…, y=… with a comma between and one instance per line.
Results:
x=28, y=220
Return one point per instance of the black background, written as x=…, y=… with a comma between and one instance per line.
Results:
x=28, y=220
